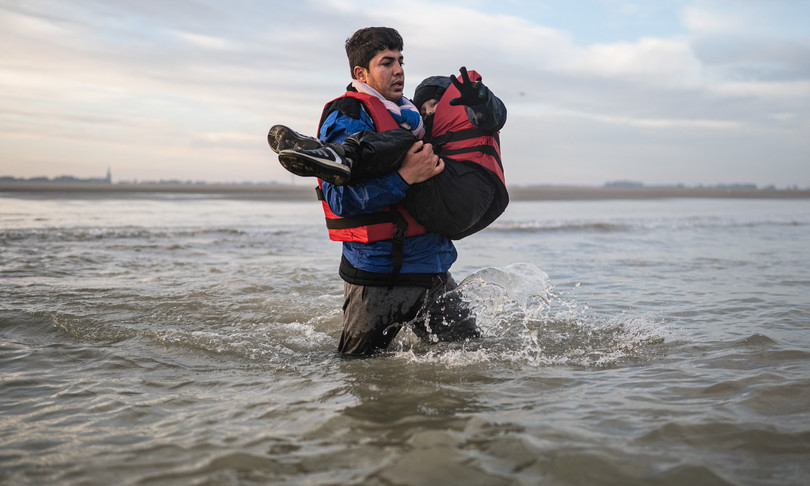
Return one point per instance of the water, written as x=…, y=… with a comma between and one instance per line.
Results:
x=161, y=340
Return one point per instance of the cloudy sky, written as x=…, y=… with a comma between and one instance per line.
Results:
x=660, y=92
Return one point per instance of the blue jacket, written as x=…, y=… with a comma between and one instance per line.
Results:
x=426, y=253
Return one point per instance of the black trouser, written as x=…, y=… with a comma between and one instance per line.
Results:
x=373, y=315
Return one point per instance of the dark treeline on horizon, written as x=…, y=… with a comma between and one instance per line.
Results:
x=618, y=184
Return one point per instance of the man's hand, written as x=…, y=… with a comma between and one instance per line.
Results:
x=420, y=163
x=472, y=92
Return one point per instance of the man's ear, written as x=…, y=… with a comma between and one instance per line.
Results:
x=359, y=73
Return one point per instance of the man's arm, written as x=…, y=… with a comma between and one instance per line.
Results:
x=419, y=164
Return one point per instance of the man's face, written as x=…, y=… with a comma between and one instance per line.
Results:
x=385, y=74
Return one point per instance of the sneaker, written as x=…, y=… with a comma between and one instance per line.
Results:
x=283, y=138
x=327, y=162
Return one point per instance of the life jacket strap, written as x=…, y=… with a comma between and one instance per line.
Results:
x=460, y=135
x=486, y=149
x=360, y=220
x=391, y=216
x=397, y=243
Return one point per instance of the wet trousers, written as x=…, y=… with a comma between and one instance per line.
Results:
x=373, y=315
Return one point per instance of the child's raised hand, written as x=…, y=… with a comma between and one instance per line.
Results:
x=472, y=92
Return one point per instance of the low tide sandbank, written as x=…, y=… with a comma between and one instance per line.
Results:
x=302, y=192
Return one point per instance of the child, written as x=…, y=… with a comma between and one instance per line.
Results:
x=462, y=120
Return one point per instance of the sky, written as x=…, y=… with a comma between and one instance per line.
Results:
x=694, y=92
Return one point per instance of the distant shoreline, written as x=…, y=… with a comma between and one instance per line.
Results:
x=282, y=192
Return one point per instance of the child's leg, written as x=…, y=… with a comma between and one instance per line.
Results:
x=377, y=153
x=363, y=155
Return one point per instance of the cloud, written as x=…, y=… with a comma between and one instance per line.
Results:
x=660, y=60
x=206, y=41
x=757, y=42
x=182, y=88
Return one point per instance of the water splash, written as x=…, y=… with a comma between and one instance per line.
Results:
x=524, y=320
x=500, y=294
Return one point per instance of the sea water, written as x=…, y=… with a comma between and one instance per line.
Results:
x=167, y=339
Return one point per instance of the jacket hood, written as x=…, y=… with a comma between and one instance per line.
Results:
x=432, y=87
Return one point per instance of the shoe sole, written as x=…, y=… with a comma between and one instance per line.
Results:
x=327, y=170
x=283, y=138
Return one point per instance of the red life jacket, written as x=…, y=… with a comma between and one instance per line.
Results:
x=379, y=226
x=455, y=137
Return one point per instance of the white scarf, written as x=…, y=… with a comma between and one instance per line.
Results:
x=394, y=109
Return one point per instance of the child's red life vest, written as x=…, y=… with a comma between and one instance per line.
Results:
x=455, y=137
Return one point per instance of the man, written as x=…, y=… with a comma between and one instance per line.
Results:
x=394, y=271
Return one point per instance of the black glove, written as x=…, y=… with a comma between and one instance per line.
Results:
x=472, y=92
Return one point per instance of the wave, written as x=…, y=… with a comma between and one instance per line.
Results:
x=257, y=339
x=624, y=226
x=545, y=226
x=125, y=233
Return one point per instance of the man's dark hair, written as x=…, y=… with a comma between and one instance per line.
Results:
x=364, y=44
